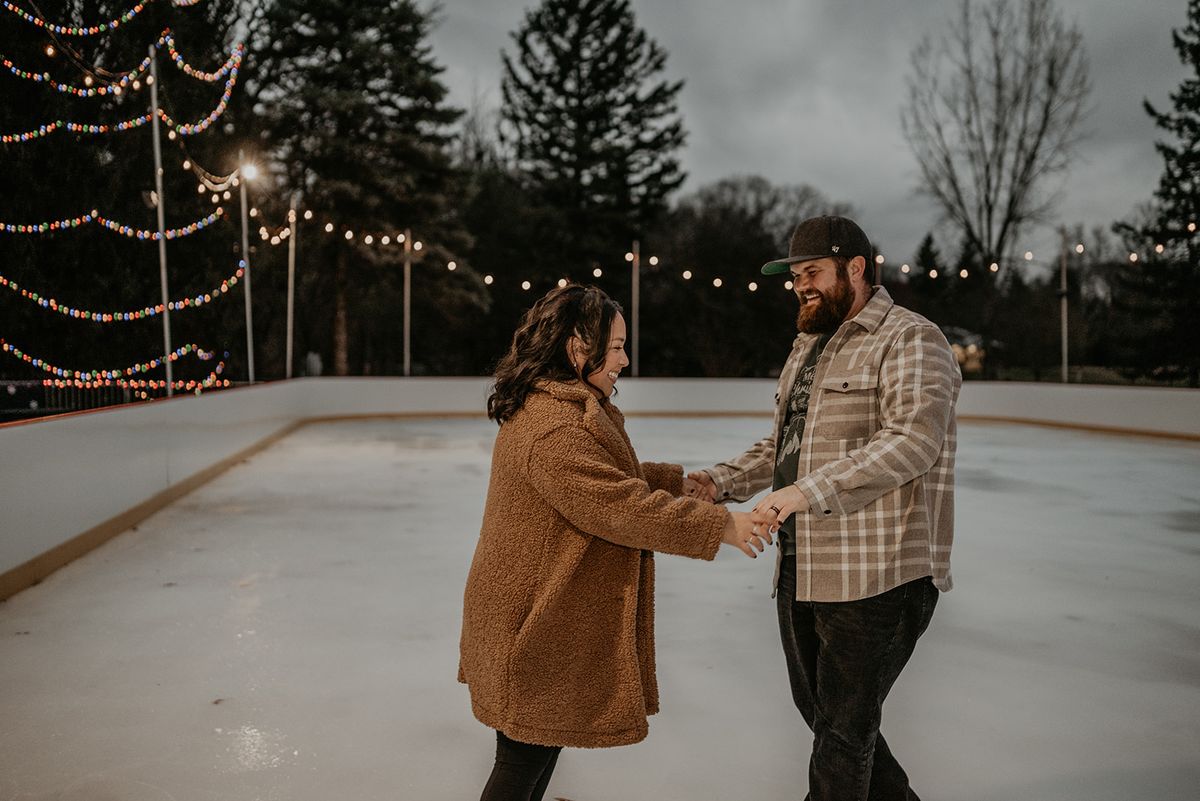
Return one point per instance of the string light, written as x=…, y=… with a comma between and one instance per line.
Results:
x=452, y=266
x=92, y=375
x=182, y=129
x=596, y=273
x=753, y=287
x=526, y=285
x=687, y=275
x=212, y=380
x=234, y=60
x=193, y=302
x=487, y=279
x=112, y=225
x=131, y=78
x=189, y=129
x=91, y=30
x=717, y=282
x=904, y=268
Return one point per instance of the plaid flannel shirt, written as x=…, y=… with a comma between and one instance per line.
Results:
x=876, y=462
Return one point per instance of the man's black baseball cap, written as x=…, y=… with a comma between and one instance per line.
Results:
x=818, y=237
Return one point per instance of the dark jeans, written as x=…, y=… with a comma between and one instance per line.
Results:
x=842, y=660
x=522, y=771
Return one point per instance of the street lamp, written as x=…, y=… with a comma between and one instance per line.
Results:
x=247, y=171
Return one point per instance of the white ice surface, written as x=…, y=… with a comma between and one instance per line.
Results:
x=289, y=632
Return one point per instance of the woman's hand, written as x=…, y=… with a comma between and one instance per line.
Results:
x=740, y=533
x=771, y=511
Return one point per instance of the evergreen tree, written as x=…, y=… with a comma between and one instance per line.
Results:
x=1028, y=346
x=724, y=231
x=353, y=116
x=506, y=222
x=1157, y=295
x=592, y=125
x=926, y=284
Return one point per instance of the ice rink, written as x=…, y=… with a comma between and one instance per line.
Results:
x=289, y=632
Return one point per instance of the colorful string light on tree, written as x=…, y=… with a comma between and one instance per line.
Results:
x=213, y=379
x=193, y=302
x=90, y=30
x=182, y=129
x=92, y=375
x=235, y=58
x=189, y=129
x=112, y=225
x=130, y=79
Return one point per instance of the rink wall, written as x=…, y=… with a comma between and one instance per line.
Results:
x=71, y=482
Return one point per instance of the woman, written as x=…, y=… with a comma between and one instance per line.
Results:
x=558, y=619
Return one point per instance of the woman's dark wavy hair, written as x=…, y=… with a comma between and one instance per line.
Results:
x=539, y=345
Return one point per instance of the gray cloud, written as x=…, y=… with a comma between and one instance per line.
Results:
x=809, y=91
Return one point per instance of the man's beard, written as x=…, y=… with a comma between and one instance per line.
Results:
x=830, y=311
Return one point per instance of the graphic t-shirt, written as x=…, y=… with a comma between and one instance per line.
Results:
x=787, y=452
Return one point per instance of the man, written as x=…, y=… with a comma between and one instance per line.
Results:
x=860, y=461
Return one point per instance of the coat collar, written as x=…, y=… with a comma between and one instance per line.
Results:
x=601, y=417
x=575, y=391
x=869, y=317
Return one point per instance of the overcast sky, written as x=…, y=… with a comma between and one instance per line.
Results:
x=809, y=91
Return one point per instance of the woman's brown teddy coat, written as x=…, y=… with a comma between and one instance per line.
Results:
x=558, y=619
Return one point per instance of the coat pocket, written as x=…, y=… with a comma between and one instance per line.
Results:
x=849, y=406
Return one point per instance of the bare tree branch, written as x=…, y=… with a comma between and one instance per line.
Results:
x=995, y=106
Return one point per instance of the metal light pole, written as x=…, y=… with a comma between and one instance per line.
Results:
x=291, y=280
x=158, y=205
x=245, y=173
x=635, y=256
x=408, y=246
x=1062, y=294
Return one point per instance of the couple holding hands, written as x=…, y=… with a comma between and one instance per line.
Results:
x=557, y=643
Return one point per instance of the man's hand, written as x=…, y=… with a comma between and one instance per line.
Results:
x=700, y=485
x=741, y=533
x=694, y=489
x=777, y=507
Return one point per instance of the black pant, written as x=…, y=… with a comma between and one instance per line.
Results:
x=842, y=660
x=522, y=771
